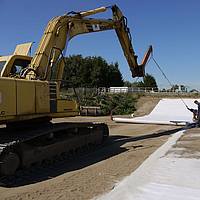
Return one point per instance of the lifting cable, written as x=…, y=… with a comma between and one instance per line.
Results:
x=166, y=77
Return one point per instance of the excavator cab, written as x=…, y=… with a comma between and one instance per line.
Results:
x=12, y=65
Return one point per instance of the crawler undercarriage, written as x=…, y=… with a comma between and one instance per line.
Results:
x=22, y=149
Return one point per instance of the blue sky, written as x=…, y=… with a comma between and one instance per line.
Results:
x=171, y=27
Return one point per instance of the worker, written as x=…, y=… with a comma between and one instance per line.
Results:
x=194, y=111
x=198, y=113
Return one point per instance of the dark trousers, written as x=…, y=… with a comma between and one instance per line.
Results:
x=198, y=123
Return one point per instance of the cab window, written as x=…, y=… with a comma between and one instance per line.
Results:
x=18, y=65
x=2, y=63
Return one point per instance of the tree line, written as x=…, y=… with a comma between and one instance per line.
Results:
x=91, y=72
x=94, y=72
x=148, y=82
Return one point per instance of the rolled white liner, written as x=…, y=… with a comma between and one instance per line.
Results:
x=123, y=120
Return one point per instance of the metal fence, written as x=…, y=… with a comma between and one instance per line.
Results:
x=104, y=90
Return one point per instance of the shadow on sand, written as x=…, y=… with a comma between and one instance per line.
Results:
x=112, y=148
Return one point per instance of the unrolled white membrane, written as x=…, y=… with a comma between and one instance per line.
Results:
x=160, y=176
x=167, y=111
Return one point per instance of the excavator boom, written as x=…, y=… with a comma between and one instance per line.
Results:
x=62, y=29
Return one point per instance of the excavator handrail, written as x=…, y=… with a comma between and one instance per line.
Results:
x=50, y=75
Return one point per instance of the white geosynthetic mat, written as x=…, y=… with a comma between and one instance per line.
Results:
x=167, y=111
x=161, y=177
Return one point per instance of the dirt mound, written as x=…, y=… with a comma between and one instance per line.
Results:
x=145, y=105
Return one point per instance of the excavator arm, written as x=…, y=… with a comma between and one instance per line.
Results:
x=62, y=29
x=123, y=33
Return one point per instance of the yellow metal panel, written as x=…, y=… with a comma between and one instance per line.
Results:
x=25, y=97
x=7, y=97
x=66, y=106
x=63, y=114
x=23, y=49
x=42, y=97
x=5, y=58
x=92, y=12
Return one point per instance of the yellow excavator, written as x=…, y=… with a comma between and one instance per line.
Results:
x=29, y=93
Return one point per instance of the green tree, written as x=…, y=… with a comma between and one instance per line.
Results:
x=114, y=76
x=149, y=81
x=91, y=72
x=74, y=64
x=99, y=71
x=128, y=84
x=174, y=88
x=138, y=84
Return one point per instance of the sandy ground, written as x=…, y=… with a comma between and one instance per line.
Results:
x=187, y=145
x=128, y=146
